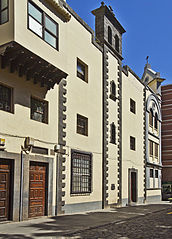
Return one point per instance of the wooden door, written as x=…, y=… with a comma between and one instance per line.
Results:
x=37, y=189
x=5, y=170
x=133, y=187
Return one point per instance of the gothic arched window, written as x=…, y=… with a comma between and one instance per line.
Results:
x=109, y=35
x=113, y=133
x=151, y=118
x=112, y=90
x=156, y=121
x=116, y=43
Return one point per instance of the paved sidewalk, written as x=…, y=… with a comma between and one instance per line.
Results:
x=62, y=226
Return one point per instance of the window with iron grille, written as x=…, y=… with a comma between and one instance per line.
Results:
x=6, y=98
x=4, y=11
x=82, y=70
x=42, y=25
x=150, y=148
x=156, y=150
x=132, y=106
x=82, y=125
x=39, y=110
x=132, y=143
x=81, y=173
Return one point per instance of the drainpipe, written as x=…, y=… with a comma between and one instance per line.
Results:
x=57, y=174
x=21, y=190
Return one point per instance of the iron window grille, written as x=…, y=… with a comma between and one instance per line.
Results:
x=81, y=173
x=82, y=70
x=82, y=125
x=132, y=106
x=132, y=143
x=39, y=110
x=4, y=11
x=6, y=98
x=42, y=25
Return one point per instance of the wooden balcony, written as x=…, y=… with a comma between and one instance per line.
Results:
x=26, y=63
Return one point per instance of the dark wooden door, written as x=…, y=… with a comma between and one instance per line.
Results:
x=37, y=189
x=5, y=170
x=133, y=187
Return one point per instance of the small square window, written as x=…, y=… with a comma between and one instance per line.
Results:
x=151, y=173
x=132, y=106
x=39, y=110
x=132, y=143
x=156, y=173
x=82, y=70
x=82, y=125
x=6, y=98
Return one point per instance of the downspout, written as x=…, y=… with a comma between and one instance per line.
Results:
x=57, y=175
x=103, y=138
x=21, y=189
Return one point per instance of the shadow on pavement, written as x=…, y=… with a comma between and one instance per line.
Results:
x=14, y=236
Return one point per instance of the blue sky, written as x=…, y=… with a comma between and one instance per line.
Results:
x=148, y=25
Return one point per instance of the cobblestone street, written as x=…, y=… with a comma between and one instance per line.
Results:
x=154, y=225
x=144, y=221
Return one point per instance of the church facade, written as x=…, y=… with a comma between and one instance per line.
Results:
x=79, y=130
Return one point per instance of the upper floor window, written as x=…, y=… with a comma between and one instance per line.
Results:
x=39, y=110
x=42, y=25
x=109, y=35
x=81, y=173
x=132, y=143
x=82, y=125
x=82, y=70
x=150, y=148
x=132, y=106
x=151, y=118
x=151, y=173
x=113, y=134
x=116, y=43
x=156, y=173
x=4, y=11
x=112, y=90
x=6, y=98
x=156, y=150
x=156, y=121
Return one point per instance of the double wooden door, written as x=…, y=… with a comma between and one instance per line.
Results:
x=5, y=189
x=37, y=189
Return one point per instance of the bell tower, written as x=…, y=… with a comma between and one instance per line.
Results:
x=108, y=29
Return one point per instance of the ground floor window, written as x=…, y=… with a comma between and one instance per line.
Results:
x=81, y=173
